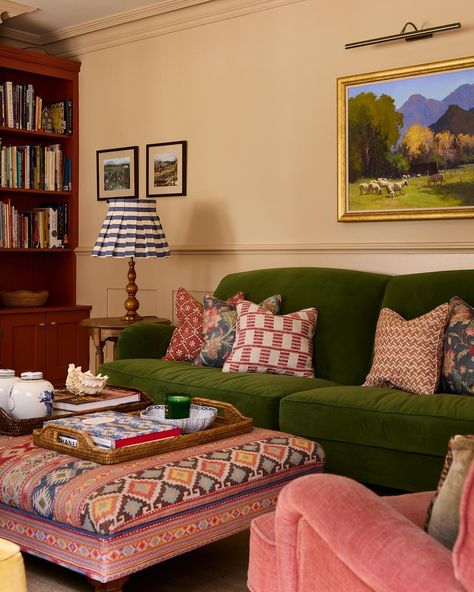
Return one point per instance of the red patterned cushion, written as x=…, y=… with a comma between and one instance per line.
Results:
x=276, y=344
x=187, y=338
x=408, y=354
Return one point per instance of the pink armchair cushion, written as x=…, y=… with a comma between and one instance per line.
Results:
x=378, y=547
x=463, y=552
x=263, y=572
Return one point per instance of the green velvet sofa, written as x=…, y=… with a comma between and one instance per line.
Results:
x=378, y=436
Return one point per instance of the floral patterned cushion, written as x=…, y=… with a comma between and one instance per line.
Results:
x=187, y=338
x=457, y=375
x=219, y=319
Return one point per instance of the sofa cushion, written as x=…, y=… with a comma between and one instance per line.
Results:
x=381, y=417
x=278, y=344
x=218, y=326
x=187, y=339
x=348, y=304
x=457, y=375
x=255, y=395
x=408, y=354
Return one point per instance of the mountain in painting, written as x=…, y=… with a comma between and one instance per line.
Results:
x=455, y=120
x=419, y=109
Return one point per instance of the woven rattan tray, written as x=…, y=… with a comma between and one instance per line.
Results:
x=19, y=427
x=229, y=422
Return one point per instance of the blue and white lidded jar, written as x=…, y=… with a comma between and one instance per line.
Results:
x=7, y=380
x=32, y=396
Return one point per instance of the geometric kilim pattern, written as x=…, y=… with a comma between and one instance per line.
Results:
x=278, y=344
x=408, y=354
x=110, y=507
x=108, y=499
x=187, y=339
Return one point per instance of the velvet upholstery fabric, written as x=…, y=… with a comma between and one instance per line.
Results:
x=347, y=302
x=333, y=534
x=12, y=569
x=255, y=395
x=360, y=441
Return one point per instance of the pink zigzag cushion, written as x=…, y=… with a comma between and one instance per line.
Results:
x=277, y=344
x=408, y=354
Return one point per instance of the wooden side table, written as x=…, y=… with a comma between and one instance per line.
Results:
x=104, y=329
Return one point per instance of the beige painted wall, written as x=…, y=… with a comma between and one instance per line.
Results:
x=255, y=97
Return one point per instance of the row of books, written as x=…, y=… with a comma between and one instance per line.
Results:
x=21, y=108
x=45, y=227
x=35, y=167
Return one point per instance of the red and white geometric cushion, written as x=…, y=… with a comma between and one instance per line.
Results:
x=277, y=344
x=408, y=354
x=187, y=339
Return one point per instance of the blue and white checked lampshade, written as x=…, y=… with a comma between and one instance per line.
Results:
x=132, y=228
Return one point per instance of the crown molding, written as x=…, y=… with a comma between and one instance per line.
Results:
x=312, y=249
x=9, y=9
x=151, y=21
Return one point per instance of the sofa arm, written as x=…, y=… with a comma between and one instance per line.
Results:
x=333, y=533
x=144, y=340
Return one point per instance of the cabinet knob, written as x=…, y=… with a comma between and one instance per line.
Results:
x=42, y=324
x=53, y=323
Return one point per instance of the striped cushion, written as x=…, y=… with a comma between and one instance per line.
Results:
x=408, y=354
x=270, y=343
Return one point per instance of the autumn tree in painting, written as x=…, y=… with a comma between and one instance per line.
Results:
x=374, y=130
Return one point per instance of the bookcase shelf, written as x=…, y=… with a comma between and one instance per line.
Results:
x=54, y=80
x=38, y=135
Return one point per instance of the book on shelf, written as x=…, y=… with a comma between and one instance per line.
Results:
x=111, y=429
x=108, y=397
x=57, y=117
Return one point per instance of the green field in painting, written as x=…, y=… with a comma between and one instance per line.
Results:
x=457, y=191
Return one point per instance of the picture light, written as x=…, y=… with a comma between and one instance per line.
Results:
x=407, y=35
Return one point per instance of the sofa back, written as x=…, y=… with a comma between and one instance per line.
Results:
x=348, y=304
x=415, y=294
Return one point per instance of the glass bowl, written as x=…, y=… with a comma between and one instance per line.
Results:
x=200, y=417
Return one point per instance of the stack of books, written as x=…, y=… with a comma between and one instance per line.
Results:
x=111, y=429
x=109, y=396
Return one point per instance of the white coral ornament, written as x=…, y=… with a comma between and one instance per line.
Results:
x=84, y=383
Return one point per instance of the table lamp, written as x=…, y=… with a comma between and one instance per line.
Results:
x=132, y=228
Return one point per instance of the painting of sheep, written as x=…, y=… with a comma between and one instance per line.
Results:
x=406, y=143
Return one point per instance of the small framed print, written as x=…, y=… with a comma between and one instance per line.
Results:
x=166, y=169
x=117, y=173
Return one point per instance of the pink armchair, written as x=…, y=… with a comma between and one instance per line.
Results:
x=331, y=534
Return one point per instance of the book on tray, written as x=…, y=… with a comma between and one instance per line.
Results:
x=111, y=429
x=109, y=396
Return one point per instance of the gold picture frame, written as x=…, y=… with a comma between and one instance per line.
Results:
x=394, y=161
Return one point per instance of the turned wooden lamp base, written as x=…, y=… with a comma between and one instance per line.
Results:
x=131, y=304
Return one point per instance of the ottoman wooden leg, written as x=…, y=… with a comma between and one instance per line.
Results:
x=113, y=586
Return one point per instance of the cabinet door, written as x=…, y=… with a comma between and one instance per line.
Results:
x=23, y=341
x=67, y=342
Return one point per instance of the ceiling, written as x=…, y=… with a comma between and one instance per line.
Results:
x=54, y=15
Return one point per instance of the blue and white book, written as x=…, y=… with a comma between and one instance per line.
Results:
x=111, y=429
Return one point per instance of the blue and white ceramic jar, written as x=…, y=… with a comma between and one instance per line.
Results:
x=31, y=396
x=7, y=380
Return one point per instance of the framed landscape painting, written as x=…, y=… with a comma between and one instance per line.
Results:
x=406, y=143
x=166, y=169
x=117, y=173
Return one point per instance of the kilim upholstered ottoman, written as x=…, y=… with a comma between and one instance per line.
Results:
x=109, y=521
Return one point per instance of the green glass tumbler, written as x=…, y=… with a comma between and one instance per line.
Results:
x=177, y=406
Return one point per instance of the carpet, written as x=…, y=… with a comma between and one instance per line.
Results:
x=218, y=567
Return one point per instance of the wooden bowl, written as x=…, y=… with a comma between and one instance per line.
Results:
x=24, y=298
